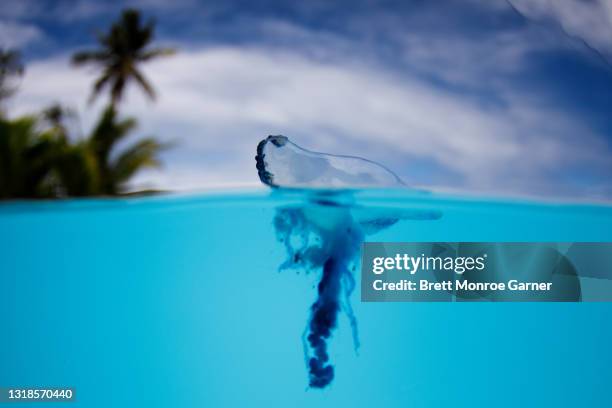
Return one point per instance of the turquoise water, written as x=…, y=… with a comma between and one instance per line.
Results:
x=177, y=301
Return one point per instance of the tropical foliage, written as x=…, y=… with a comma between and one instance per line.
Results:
x=26, y=158
x=113, y=168
x=40, y=158
x=39, y=164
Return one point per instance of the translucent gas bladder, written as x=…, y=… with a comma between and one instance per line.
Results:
x=282, y=163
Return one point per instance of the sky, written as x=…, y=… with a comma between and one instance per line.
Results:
x=491, y=97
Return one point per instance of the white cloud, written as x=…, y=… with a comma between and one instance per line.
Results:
x=218, y=102
x=480, y=62
x=16, y=35
x=590, y=21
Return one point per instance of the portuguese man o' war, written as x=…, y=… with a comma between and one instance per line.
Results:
x=325, y=234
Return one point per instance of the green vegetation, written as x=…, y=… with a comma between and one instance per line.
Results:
x=39, y=158
x=113, y=173
x=26, y=156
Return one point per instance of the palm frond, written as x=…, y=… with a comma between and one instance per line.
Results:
x=85, y=181
x=157, y=52
x=146, y=86
x=117, y=89
x=99, y=85
x=26, y=158
x=109, y=130
x=140, y=155
x=89, y=56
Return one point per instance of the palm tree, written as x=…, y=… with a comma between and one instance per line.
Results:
x=121, y=52
x=10, y=66
x=114, y=169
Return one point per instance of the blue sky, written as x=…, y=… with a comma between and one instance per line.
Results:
x=486, y=96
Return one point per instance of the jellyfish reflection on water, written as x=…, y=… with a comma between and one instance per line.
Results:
x=325, y=234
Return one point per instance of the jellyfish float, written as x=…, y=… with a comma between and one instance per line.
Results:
x=324, y=235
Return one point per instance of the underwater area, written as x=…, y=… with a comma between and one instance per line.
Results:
x=188, y=300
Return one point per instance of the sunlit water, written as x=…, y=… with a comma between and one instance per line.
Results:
x=178, y=301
